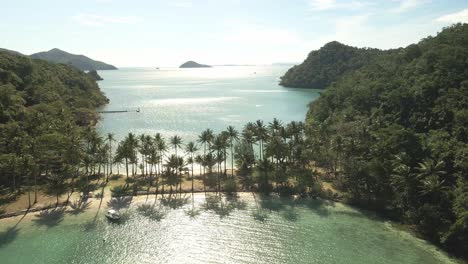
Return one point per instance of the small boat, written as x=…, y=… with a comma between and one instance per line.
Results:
x=113, y=215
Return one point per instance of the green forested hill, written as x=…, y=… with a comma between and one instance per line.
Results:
x=42, y=109
x=328, y=64
x=79, y=61
x=393, y=135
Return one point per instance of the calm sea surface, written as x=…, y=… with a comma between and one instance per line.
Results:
x=187, y=101
x=243, y=230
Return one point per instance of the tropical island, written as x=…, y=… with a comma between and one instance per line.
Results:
x=192, y=64
x=388, y=133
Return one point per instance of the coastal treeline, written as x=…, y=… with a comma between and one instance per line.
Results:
x=268, y=157
x=393, y=136
x=43, y=110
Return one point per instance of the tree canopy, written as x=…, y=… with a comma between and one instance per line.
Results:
x=328, y=64
x=393, y=134
x=42, y=107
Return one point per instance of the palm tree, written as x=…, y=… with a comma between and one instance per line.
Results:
x=145, y=145
x=191, y=148
x=225, y=136
x=121, y=154
x=162, y=148
x=110, y=138
x=176, y=142
x=209, y=161
x=430, y=173
x=126, y=151
x=248, y=134
x=275, y=127
x=261, y=134
x=171, y=170
x=205, y=138
x=219, y=145
x=131, y=144
x=233, y=136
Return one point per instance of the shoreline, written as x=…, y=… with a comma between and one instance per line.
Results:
x=98, y=206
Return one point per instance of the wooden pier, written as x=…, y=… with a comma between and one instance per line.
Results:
x=118, y=111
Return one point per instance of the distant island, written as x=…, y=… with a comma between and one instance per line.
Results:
x=192, y=64
x=78, y=61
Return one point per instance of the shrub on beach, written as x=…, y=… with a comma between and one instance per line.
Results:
x=230, y=186
x=120, y=190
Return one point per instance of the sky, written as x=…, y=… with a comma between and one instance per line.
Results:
x=156, y=33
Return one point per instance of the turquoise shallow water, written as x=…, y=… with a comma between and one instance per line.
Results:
x=230, y=231
x=187, y=101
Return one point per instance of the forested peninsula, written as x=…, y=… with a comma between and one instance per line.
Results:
x=43, y=109
x=392, y=133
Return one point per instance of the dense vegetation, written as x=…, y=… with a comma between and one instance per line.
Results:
x=393, y=135
x=264, y=155
x=79, y=61
x=42, y=109
x=324, y=66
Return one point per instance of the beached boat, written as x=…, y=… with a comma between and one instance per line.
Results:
x=113, y=214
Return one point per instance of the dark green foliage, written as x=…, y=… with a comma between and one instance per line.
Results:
x=42, y=107
x=328, y=64
x=230, y=186
x=121, y=191
x=393, y=135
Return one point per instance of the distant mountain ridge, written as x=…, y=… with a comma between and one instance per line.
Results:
x=79, y=61
x=12, y=52
x=192, y=64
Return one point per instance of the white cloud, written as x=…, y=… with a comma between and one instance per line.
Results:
x=100, y=20
x=322, y=5
x=461, y=16
x=406, y=5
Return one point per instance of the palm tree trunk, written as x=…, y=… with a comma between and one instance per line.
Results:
x=35, y=186
x=126, y=166
x=192, y=173
x=232, y=162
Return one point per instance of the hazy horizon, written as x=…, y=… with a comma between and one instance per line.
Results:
x=160, y=33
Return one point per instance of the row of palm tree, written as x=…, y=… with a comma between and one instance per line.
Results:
x=156, y=157
x=80, y=156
